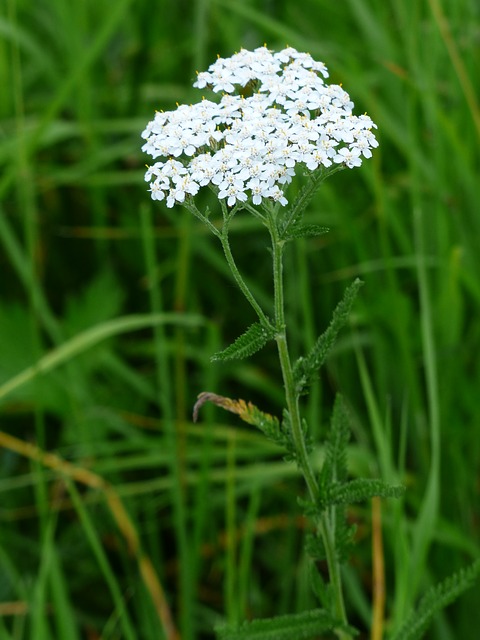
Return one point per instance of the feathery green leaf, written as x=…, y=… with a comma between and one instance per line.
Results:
x=335, y=465
x=306, y=368
x=293, y=215
x=305, y=231
x=437, y=598
x=361, y=489
x=254, y=338
x=300, y=626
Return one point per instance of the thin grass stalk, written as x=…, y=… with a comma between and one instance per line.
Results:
x=180, y=366
x=246, y=551
x=425, y=525
x=165, y=403
x=87, y=339
x=380, y=436
x=101, y=37
x=456, y=59
x=200, y=26
x=66, y=620
x=40, y=621
x=231, y=574
x=201, y=502
x=13, y=577
x=119, y=514
x=426, y=522
x=4, y=633
x=26, y=199
x=102, y=560
x=303, y=291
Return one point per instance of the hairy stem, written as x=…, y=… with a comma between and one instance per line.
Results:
x=239, y=279
x=222, y=235
x=325, y=524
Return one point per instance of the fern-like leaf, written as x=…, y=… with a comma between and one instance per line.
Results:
x=305, y=231
x=294, y=214
x=436, y=599
x=335, y=465
x=254, y=338
x=361, y=489
x=286, y=431
x=316, y=550
x=334, y=470
x=306, y=368
x=301, y=626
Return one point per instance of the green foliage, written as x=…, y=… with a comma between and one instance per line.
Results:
x=360, y=489
x=84, y=341
x=322, y=589
x=336, y=491
x=437, y=598
x=290, y=221
x=276, y=431
x=334, y=468
x=305, y=231
x=305, y=625
x=287, y=441
x=254, y=338
x=306, y=368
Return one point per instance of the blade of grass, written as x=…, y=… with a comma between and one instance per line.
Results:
x=66, y=624
x=26, y=200
x=246, y=552
x=90, y=338
x=382, y=444
x=90, y=55
x=165, y=404
x=203, y=509
x=16, y=581
x=468, y=89
x=119, y=514
x=103, y=562
x=40, y=618
x=231, y=577
x=428, y=514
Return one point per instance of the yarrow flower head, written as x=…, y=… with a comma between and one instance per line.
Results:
x=247, y=145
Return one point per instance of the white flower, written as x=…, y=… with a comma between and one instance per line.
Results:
x=276, y=194
x=249, y=147
x=350, y=157
x=233, y=192
x=157, y=190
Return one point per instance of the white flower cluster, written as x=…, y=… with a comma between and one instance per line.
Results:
x=248, y=147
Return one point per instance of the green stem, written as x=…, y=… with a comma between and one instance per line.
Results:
x=325, y=524
x=192, y=207
x=238, y=277
x=222, y=235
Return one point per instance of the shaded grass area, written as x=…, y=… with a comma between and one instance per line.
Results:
x=208, y=527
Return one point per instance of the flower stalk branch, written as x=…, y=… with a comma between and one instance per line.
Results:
x=238, y=276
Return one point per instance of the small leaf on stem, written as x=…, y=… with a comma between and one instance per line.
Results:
x=254, y=338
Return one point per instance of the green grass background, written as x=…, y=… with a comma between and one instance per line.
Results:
x=111, y=306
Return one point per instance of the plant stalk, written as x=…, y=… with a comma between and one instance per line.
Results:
x=240, y=281
x=325, y=525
